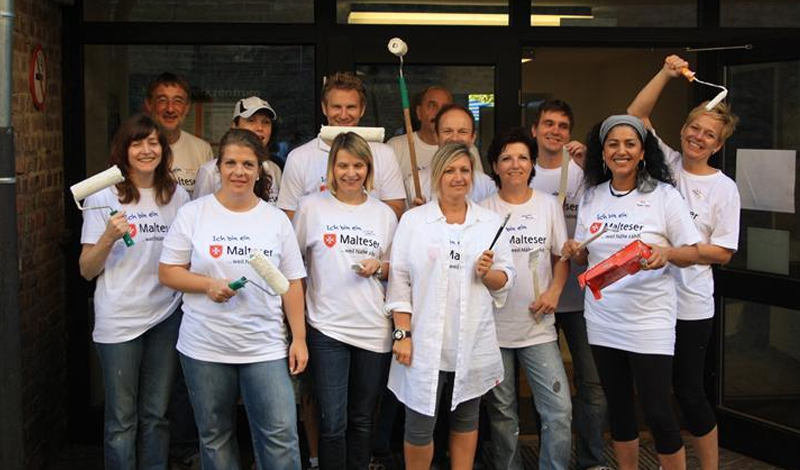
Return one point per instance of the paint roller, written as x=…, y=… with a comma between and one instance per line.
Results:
x=370, y=134
x=268, y=272
x=96, y=183
x=399, y=48
x=692, y=77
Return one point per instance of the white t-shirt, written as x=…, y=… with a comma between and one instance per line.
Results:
x=455, y=267
x=548, y=180
x=714, y=206
x=483, y=186
x=129, y=299
x=188, y=155
x=208, y=180
x=537, y=225
x=638, y=312
x=307, y=166
x=217, y=242
x=424, y=153
x=332, y=236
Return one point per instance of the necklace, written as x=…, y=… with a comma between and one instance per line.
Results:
x=623, y=194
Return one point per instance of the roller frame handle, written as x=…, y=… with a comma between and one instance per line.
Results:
x=238, y=284
x=409, y=135
x=127, y=237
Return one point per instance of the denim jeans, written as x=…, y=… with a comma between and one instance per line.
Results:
x=348, y=381
x=545, y=372
x=138, y=377
x=268, y=398
x=589, y=403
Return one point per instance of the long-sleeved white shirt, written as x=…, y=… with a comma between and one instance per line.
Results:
x=418, y=285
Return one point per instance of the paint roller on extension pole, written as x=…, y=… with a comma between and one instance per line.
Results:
x=97, y=183
x=399, y=48
x=692, y=77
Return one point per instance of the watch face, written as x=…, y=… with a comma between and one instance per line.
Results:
x=398, y=334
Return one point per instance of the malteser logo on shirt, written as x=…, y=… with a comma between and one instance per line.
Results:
x=132, y=230
x=329, y=239
x=215, y=250
x=595, y=227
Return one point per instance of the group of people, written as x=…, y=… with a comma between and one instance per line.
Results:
x=436, y=302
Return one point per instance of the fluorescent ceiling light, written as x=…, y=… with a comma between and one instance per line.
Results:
x=384, y=17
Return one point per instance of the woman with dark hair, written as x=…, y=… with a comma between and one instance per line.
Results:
x=135, y=323
x=526, y=323
x=632, y=328
x=713, y=200
x=444, y=280
x=234, y=342
x=345, y=235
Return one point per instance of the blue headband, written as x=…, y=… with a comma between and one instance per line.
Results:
x=627, y=119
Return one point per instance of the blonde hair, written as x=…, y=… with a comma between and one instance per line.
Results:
x=721, y=112
x=443, y=158
x=357, y=146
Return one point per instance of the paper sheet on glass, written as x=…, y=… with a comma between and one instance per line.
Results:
x=766, y=179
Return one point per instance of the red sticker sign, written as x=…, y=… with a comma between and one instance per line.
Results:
x=215, y=251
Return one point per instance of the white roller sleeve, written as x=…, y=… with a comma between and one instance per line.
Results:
x=98, y=182
x=370, y=134
x=271, y=275
x=717, y=99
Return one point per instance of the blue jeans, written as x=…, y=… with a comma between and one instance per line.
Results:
x=138, y=377
x=589, y=403
x=347, y=383
x=268, y=398
x=545, y=372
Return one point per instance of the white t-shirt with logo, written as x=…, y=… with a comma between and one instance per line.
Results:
x=638, y=312
x=332, y=236
x=208, y=181
x=129, y=299
x=188, y=155
x=424, y=153
x=714, y=206
x=217, y=242
x=307, y=166
x=483, y=186
x=452, y=322
x=535, y=226
x=548, y=180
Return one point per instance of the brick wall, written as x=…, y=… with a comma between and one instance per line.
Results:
x=40, y=219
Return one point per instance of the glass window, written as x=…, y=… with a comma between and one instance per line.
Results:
x=760, y=13
x=761, y=360
x=610, y=13
x=274, y=11
x=471, y=86
x=766, y=96
x=116, y=80
x=388, y=12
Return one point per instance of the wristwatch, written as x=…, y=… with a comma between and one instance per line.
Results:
x=400, y=333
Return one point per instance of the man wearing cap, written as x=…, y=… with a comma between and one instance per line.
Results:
x=552, y=127
x=344, y=101
x=168, y=103
x=258, y=116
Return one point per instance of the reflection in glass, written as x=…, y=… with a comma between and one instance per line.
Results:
x=610, y=13
x=766, y=96
x=486, y=13
x=761, y=361
x=471, y=86
x=273, y=11
x=116, y=80
x=760, y=13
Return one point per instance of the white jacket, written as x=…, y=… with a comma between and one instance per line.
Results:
x=418, y=284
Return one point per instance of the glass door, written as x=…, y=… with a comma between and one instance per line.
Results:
x=758, y=360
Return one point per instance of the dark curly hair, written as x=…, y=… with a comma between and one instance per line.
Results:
x=249, y=139
x=510, y=136
x=655, y=163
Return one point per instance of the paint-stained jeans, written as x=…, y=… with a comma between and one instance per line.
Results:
x=548, y=380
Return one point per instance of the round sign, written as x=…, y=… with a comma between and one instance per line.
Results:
x=37, y=77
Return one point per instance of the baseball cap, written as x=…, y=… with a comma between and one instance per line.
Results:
x=246, y=107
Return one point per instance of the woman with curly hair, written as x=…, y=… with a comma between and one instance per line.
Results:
x=632, y=328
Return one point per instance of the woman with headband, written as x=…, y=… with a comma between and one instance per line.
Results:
x=233, y=342
x=345, y=236
x=444, y=279
x=632, y=328
x=135, y=318
x=714, y=204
